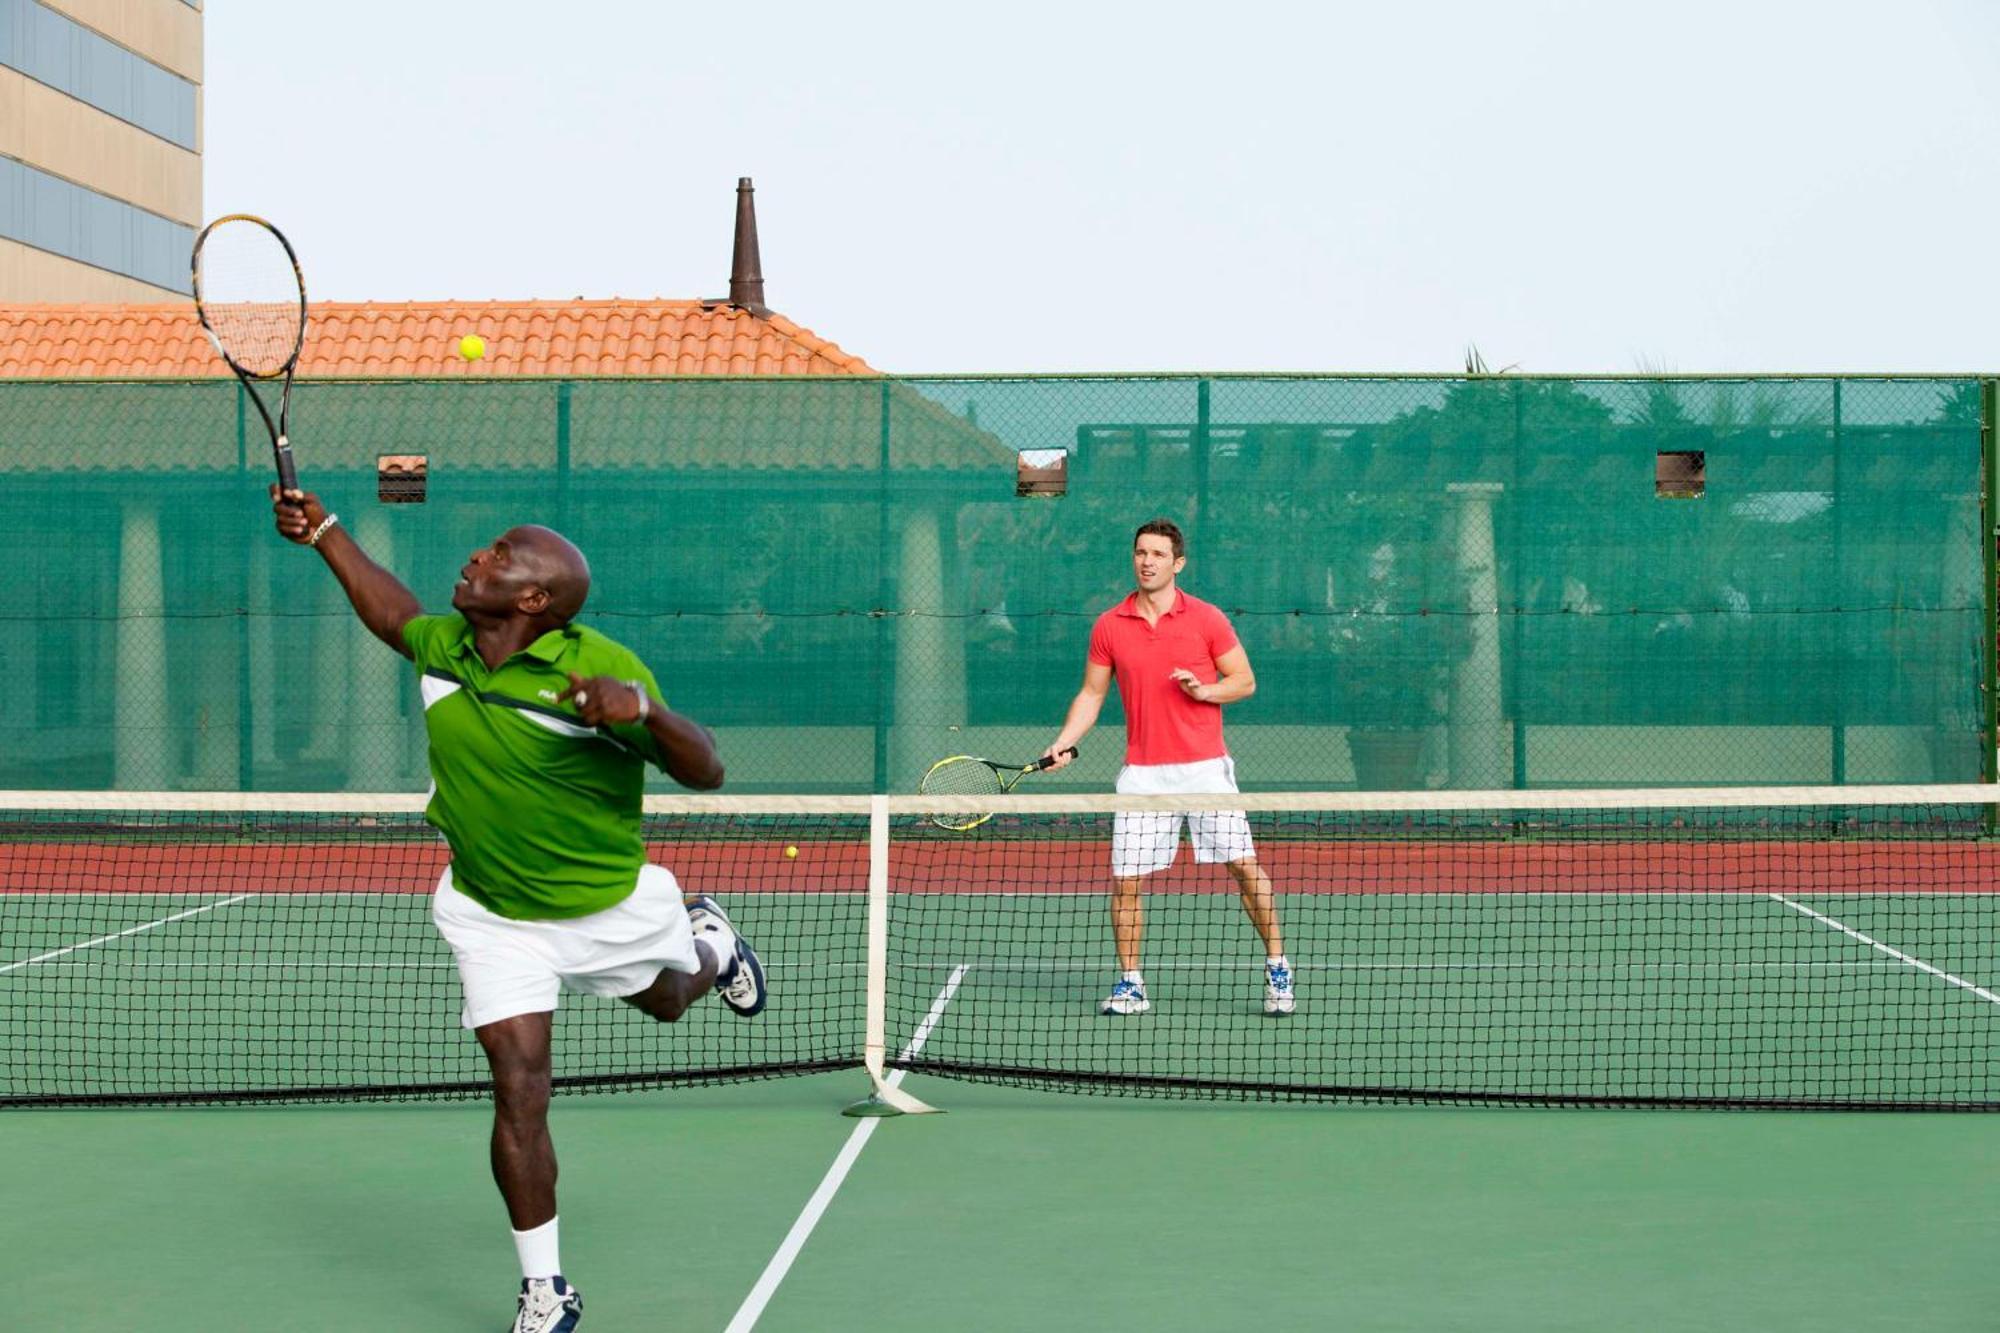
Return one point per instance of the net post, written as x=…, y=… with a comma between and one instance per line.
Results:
x=884, y=594
x=1989, y=544
x=564, y=390
x=1837, y=742
x=1203, y=457
x=246, y=742
x=1510, y=675
x=885, y=1098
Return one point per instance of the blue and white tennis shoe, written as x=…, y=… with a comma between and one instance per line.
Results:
x=1279, y=1002
x=1126, y=998
x=739, y=974
x=548, y=1305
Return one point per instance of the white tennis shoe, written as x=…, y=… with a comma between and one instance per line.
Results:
x=739, y=972
x=1127, y=997
x=1279, y=1001
x=548, y=1305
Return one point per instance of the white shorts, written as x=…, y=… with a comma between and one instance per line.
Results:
x=509, y=967
x=1145, y=841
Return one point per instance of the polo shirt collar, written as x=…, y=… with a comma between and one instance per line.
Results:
x=1130, y=606
x=548, y=648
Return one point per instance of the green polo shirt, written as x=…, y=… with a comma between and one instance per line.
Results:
x=541, y=811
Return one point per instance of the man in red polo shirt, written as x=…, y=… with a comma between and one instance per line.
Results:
x=1177, y=661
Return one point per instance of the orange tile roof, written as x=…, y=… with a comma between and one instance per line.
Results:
x=420, y=338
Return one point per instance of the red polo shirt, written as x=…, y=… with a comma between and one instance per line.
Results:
x=1162, y=724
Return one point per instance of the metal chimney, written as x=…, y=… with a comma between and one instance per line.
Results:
x=746, y=270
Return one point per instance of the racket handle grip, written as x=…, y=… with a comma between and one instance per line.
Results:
x=288, y=474
x=1049, y=760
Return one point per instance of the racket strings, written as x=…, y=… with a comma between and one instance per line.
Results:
x=963, y=777
x=251, y=296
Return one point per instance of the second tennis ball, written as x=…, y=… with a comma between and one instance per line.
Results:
x=791, y=853
x=472, y=347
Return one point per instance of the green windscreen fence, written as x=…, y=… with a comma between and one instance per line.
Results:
x=1469, y=583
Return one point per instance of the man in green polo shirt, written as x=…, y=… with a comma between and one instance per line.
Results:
x=540, y=731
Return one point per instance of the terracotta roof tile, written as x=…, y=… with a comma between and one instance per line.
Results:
x=412, y=338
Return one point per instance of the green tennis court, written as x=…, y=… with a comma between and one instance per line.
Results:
x=1017, y=1210
x=1646, y=953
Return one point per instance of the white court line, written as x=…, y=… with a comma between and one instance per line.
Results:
x=106, y=939
x=1221, y=889
x=1053, y=967
x=774, y=1272
x=1897, y=954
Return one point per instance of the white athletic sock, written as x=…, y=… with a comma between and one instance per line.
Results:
x=538, y=1251
x=1134, y=977
x=1278, y=960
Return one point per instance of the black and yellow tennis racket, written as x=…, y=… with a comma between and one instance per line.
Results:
x=251, y=298
x=969, y=775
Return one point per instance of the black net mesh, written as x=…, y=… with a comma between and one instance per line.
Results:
x=1758, y=949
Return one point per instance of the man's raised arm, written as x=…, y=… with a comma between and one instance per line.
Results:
x=379, y=597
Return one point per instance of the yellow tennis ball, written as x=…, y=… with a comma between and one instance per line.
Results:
x=472, y=347
x=791, y=853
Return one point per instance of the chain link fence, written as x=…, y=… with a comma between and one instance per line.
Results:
x=1441, y=582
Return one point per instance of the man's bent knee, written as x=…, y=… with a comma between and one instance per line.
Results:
x=664, y=1008
x=668, y=997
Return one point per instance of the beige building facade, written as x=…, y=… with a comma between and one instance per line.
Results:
x=100, y=148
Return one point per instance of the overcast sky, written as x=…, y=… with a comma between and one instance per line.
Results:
x=1746, y=186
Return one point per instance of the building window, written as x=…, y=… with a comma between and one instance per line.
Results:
x=53, y=49
x=65, y=219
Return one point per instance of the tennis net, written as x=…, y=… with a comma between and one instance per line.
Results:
x=1786, y=947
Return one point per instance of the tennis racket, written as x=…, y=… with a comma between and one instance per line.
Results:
x=251, y=298
x=969, y=775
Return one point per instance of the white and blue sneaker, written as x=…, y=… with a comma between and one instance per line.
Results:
x=1279, y=1001
x=739, y=975
x=1127, y=997
x=548, y=1305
